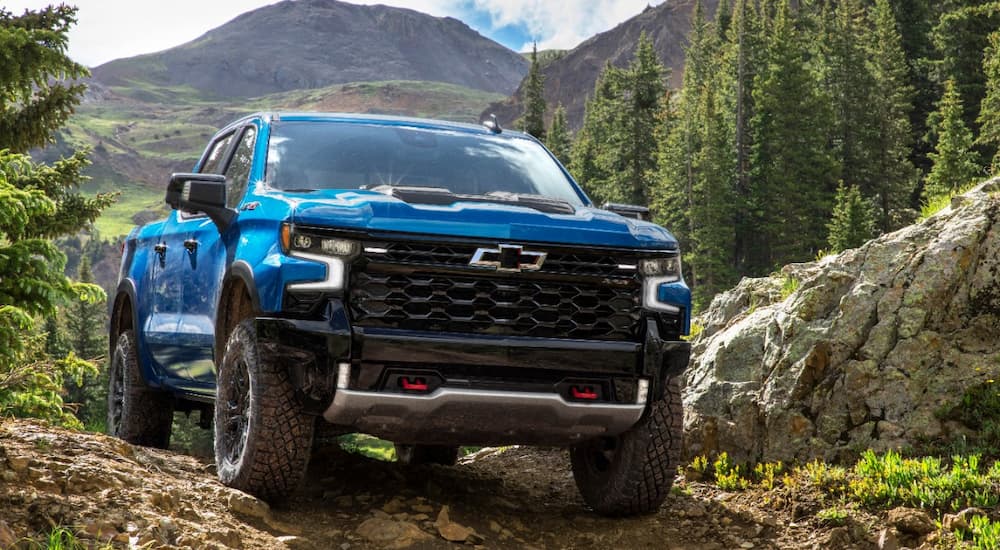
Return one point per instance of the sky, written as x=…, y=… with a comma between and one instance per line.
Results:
x=111, y=29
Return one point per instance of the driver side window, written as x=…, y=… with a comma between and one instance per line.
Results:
x=238, y=172
x=213, y=163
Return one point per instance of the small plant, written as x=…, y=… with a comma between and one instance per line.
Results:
x=936, y=203
x=835, y=516
x=985, y=534
x=832, y=479
x=890, y=480
x=698, y=469
x=766, y=472
x=60, y=538
x=369, y=446
x=727, y=475
x=696, y=329
x=788, y=287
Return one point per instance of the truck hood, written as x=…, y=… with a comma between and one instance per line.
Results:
x=376, y=212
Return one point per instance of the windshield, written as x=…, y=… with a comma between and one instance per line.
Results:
x=343, y=155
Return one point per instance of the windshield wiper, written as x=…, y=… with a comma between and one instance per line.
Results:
x=442, y=196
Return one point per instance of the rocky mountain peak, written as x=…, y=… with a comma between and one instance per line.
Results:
x=297, y=44
x=875, y=347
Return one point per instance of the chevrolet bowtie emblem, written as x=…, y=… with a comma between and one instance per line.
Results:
x=508, y=257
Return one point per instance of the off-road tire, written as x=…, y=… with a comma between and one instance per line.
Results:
x=446, y=455
x=262, y=438
x=632, y=473
x=136, y=413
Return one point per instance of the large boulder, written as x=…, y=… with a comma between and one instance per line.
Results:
x=875, y=347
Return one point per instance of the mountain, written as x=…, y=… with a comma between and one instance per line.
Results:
x=893, y=345
x=570, y=78
x=298, y=44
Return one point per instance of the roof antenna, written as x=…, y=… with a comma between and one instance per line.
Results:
x=493, y=124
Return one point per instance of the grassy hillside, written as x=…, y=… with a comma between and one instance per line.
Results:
x=141, y=133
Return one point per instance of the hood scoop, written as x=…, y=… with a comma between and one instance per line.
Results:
x=443, y=197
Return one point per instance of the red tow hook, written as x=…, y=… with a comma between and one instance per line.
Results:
x=587, y=392
x=418, y=384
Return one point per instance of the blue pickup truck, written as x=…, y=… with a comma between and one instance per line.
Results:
x=430, y=283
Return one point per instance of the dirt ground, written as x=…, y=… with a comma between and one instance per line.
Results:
x=109, y=491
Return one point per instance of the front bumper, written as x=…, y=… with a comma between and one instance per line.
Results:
x=488, y=390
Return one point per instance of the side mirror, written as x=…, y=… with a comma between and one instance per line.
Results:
x=627, y=210
x=206, y=193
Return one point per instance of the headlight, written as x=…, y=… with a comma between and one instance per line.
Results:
x=668, y=268
x=295, y=241
x=655, y=272
x=330, y=251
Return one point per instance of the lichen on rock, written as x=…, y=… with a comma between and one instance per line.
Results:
x=870, y=351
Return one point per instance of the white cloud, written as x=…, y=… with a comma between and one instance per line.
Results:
x=109, y=29
x=562, y=24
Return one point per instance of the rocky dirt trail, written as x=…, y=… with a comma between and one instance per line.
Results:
x=106, y=490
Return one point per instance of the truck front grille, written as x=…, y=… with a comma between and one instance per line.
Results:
x=429, y=301
x=575, y=262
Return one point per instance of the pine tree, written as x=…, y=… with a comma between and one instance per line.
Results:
x=741, y=55
x=851, y=88
x=86, y=319
x=56, y=344
x=590, y=151
x=792, y=175
x=894, y=174
x=37, y=203
x=713, y=204
x=678, y=176
x=644, y=98
x=989, y=111
x=534, y=98
x=955, y=162
x=961, y=36
x=915, y=19
x=614, y=157
x=558, y=139
x=852, y=223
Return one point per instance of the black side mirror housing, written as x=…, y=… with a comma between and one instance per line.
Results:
x=627, y=210
x=206, y=193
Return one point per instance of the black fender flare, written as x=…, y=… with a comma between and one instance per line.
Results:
x=240, y=271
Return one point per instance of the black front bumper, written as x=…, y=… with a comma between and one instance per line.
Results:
x=470, y=376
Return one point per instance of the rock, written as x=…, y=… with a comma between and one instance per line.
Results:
x=389, y=533
x=888, y=539
x=242, y=503
x=449, y=530
x=422, y=508
x=18, y=463
x=952, y=522
x=7, y=536
x=394, y=506
x=839, y=537
x=969, y=513
x=911, y=521
x=866, y=353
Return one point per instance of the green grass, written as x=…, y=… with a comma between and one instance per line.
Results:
x=833, y=516
x=788, y=286
x=876, y=480
x=369, y=446
x=935, y=204
x=983, y=533
x=62, y=538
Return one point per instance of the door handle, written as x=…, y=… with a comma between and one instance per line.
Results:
x=160, y=248
x=191, y=245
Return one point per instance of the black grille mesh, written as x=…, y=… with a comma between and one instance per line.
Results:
x=466, y=304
